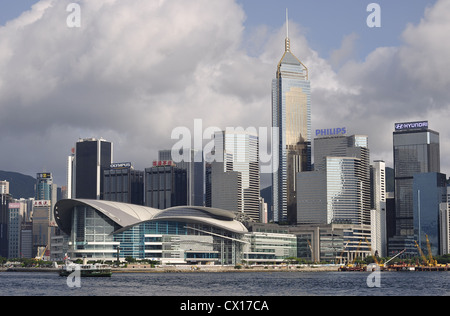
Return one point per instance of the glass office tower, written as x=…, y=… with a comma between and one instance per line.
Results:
x=194, y=172
x=236, y=177
x=291, y=116
x=416, y=150
x=429, y=193
x=338, y=190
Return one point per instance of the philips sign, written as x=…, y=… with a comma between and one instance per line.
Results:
x=411, y=125
x=331, y=131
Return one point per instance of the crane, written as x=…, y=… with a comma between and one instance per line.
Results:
x=424, y=258
x=39, y=257
x=356, y=252
x=343, y=250
x=431, y=260
x=395, y=256
x=312, y=253
x=371, y=251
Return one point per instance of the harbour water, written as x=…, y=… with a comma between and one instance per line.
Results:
x=229, y=284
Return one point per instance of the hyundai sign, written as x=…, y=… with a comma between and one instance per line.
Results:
x=411, y=125
x=331, y=131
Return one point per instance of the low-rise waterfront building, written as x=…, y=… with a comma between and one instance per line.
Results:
x=104, y=230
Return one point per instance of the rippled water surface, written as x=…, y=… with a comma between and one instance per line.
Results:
x=229, y=284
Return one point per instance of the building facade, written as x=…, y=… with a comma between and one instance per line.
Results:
x=378, y=206
x=416, y=150
x=291, y=118
x=194, y=174
x=429, y=193
x=4, y=187
x=17, y=212
x=235, y=178
x=122, y=183
x=338, y=190
x=165, y=185
x=444, y=217
x=46, y=190
x=5, y=199
x=92, y=157
x=105, y=230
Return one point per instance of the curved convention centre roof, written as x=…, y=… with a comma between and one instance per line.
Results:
x=128, y=215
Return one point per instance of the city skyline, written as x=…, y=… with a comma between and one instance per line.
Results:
x=97, y=81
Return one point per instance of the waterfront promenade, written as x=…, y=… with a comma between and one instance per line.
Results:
x=196, y=268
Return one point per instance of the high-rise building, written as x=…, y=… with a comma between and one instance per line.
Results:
x=416, y=150
x=339, y=189
x=165, y=185
x=194, y=172
x=444, y=219
x=429, y=193
x=69, y=175
x=291, y=118
x=378, y=206
x=121, y=183
x=5, y=199
x=4, y=187
x=42, y=226
x=333, y=195
x=235, y=173
x=46, y=190
x=92, y=158
x=17, y=210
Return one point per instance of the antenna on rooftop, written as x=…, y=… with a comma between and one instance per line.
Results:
x=287, y=23
x=287, y=42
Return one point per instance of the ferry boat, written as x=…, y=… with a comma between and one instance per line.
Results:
x=86, y=270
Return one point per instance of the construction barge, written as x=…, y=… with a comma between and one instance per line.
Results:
x=394, y=267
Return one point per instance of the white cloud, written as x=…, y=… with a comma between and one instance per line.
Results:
x=137, y=69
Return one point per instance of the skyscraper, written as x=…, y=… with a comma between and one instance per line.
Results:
x=429, y=193
x=235, y=179
x=165, y=185
x=194, y=172
x=378, y=206
x=5, y=199
x=338, y=191
x=92, y=158
x=291, y=116
x=416, y=150
x=122, y=183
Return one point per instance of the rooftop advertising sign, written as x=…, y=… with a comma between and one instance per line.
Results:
x=331, y=131
x=46, y=175
x=411, y=125
x=159, y=163
x=120, y=165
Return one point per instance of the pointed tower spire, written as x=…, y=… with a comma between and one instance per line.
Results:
x=287, y=41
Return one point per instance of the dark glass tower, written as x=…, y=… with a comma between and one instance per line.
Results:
x=165, y=186
x=92, y=158
x=123, y=184
x=416, y=150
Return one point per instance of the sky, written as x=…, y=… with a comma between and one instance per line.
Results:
x=136, y=70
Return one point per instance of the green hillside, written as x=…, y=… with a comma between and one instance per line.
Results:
x=20, y=185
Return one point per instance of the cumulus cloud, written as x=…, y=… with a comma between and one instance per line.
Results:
x=137, y=69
